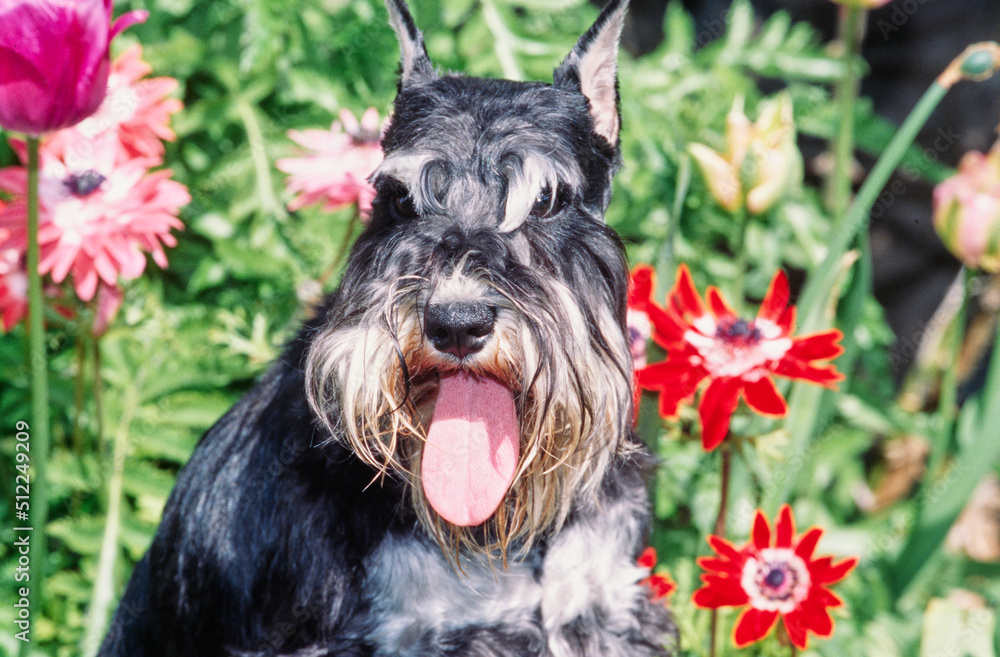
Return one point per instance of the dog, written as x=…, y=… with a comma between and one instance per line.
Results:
x=442, y=463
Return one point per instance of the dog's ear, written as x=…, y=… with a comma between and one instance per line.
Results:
x=416, y=66
x=592, y=69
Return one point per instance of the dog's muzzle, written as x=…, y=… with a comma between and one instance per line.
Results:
x=459, y=329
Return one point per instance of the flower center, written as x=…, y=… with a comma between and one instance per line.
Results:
x=738, y=332
x=777, y=580
x=85, y=183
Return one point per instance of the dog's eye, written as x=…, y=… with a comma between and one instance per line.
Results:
x=402, y=203
x=549, y=202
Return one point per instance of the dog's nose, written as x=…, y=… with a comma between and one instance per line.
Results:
x=459, y=329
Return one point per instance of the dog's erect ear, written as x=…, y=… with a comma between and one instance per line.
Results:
x=417, y=68
x=592, y=69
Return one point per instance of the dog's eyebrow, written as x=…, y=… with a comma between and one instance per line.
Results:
x=527, y=175
x=424, y=174
x=404, y=167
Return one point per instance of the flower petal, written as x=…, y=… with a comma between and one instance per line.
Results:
x=675, y=381
x=717, y=303
x=642, y=281
x=817, y=346
x=716, y=409
x=793, y=368
x=837, y=572
x=764, y=398
x=725, y=549
x=785, y=527
x=796, y=625
x=777, y=298
x=807, y=544
x=761, y=531
x=753, y=625
x=686, y=295
x=648, y=558
x=719, y=592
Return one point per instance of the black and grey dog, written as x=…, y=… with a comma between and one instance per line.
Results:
x=442, y=463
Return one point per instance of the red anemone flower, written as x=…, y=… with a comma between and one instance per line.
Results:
x=659, y=584
x=779, y=578
x=706, y=339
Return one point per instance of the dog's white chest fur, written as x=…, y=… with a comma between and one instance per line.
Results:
x=587, y=574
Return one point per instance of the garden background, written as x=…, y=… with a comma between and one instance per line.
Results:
x=885, y=465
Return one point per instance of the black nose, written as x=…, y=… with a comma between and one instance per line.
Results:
x=459, y=329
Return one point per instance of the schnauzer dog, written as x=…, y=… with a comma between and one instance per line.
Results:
x=443, y=461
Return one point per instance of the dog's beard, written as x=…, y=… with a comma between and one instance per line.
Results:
x=374, y=383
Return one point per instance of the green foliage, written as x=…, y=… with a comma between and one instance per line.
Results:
x=191, y=339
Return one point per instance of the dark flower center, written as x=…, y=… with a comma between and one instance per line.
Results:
x=776, y=580
x=738, y=331
x=85, y=183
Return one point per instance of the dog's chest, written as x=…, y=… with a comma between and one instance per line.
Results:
x=421, y=606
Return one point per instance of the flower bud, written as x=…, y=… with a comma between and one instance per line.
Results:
x=967, y=210
x=54, y=61
x=761, y=163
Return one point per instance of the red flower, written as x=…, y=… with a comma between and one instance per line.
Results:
x=660, y=585
x=779, y=578
x=710, y=341
x=639, y=327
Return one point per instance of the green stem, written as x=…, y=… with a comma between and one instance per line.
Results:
x=738, y=292
x=815, y=295
x=720, y=525
x=258, y=154
x=40, y=436
x=666, y=261
x=79, y=393
x=503, y=42
x=104, y=581
x=947, y=410
x=941, y=503
x=851, y=31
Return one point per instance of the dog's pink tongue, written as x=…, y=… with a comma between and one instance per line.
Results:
x=472, y=449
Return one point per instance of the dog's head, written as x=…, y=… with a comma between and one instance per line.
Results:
x=476, y=345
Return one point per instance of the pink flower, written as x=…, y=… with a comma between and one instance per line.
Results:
x=97, y=217
x=336, y=171
x=136, y=112
x=967, y=210
x=13, y=286
x=54, y=60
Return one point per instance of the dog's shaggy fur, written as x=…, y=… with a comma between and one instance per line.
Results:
x=301, y=526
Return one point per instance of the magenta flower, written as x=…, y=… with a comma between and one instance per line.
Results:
x=336, y=171
x=54, y=61
x=136, y=112
x=98, y=216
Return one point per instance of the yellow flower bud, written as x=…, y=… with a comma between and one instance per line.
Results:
x=762, y=161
